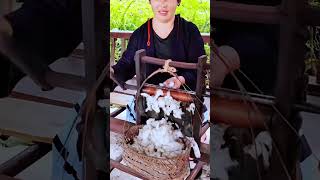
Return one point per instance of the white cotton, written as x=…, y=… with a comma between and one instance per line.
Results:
x=161, y=84
x=221, y=157
x=191, y=108
x=158, y=94
x=171, y=84
x=262, y=140
x=159, y=139
x=222, y=161
x=166, y=103
x=195, y=147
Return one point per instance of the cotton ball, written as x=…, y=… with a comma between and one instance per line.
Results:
x=264, y=147
x=171, y=84
x=161, y=102
x=159, y=139
x=159, y=93
x=191, y=108
x=177, y=113
x=195, y=147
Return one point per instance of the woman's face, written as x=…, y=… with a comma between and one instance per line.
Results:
x=164, y=10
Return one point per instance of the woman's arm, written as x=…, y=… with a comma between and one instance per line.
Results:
x=195, y=49
x=125, y=68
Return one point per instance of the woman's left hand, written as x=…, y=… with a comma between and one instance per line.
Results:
x=174, y=83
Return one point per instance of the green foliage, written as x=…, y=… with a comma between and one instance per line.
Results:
x=130, y=14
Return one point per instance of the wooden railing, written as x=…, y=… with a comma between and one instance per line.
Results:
x=124, y=37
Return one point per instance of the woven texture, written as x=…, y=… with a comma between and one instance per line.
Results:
x=153, y=167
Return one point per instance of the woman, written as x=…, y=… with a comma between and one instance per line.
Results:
x=165, y=36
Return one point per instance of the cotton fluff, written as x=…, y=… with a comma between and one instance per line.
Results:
x=221, y=156
x=195, y=147
x=264, y=147
x=158, y=139
x=166, y=103
x=191, y=108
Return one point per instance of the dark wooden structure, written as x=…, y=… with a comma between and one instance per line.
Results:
x=95, y=17
x=293, y=16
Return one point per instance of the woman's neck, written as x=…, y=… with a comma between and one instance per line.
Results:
x=163, y=29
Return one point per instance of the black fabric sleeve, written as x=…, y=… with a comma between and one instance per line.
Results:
x=125, y=68
x=195, y=49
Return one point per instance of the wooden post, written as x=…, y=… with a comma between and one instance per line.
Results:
x=95, y=37
x=141, y=76
x=95, y=17
x=200, y=88
x=113, y=51
x=290, y=69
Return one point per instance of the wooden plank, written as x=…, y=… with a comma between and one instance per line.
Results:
x=120, y=99
x=32, y=121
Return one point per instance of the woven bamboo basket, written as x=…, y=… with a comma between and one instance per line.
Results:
x=153, y=167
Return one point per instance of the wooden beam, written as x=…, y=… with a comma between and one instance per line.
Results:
x=126, y=169
x=67, y=81
x=127, y=34
x=117, y=125
x=21, y=161
x=195, y=171
x=245, y=13
x=177, y=64
x=39, y=99
x=95, y=18
x=117, y=112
